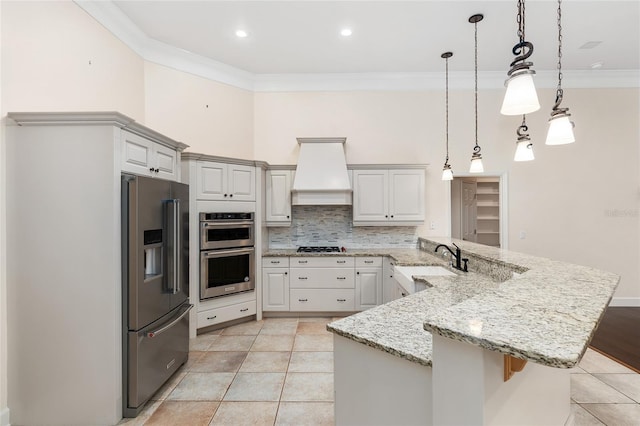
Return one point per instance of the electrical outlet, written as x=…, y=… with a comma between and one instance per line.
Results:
x=523, y=235
x=432, y=225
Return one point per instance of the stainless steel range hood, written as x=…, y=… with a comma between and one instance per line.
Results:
x=321, y=175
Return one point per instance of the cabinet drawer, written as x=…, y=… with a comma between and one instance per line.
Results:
x=275, y=262
x=368, y=262
x=327, y=300
x=322, y=278
x=226, y=313
x=323, y=262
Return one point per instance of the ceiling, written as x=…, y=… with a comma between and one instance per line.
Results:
x=302, y=37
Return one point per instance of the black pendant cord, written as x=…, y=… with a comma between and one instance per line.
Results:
x=559, y=93
x=523, y=49
x=476, y=148
x=446, y=57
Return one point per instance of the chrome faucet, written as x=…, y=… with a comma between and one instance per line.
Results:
x=457, y=255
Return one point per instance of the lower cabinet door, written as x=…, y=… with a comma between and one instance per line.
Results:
x=322, y=300
x=275, y=289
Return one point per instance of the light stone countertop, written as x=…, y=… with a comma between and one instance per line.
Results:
x=529, y=307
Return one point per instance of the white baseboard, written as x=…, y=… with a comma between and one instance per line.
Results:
x=4, y=417
x=632, y=302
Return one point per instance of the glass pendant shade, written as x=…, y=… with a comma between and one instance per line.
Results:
x=524, y=151
x=520, y=97
x=560, y=131
x=447, y=173
x=476, y=166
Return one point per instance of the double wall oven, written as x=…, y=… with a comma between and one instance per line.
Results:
x=227, y=256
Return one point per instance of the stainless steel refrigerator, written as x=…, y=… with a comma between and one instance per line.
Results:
x=155, y=293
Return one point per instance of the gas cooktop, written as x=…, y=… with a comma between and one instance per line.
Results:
x=318, y=249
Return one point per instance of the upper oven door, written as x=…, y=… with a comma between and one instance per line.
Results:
x=216, y=235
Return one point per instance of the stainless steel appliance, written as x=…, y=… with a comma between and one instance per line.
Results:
x=320, y=249
x=227, y=257
x=155, y=293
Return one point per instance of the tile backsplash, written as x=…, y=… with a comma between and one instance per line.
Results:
x=333, y=226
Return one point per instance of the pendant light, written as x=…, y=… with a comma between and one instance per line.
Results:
x=520, y=97
x=476, y=158
x=560, y=128
x=447, y=173
x=524, y=147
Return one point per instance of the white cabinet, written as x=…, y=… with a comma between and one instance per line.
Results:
x=322, y=284
x=228, y=182
x=210, y=317
x=388, y=197
x=388, y=280
x=279, y=197
x=144, y=157
x=368, y=282
x=275, y=284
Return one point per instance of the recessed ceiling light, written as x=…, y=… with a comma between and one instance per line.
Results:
x=590, y=44
x=346, y=32
x=241, y=33
x=597, y=65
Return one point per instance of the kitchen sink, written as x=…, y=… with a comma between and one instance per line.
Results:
x=404, y=275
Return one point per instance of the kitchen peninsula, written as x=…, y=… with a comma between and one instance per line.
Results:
x=449, y=354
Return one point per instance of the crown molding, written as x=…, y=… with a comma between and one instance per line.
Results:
x=114, y=20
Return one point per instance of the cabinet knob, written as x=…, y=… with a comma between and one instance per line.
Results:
x=226, y=195
x=286, y=273
x=386, y=215
x=230, y=195
x=157, y=170
x=391, y=216
x=151, y=169
x=287, y=216
x=358, y=273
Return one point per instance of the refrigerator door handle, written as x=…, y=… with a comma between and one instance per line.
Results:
x=173, y=219
x=171, y=324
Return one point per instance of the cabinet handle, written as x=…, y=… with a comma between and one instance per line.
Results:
x=275, y=261
x=244, y=310
x=341, y=261
x=302, y=300
x=151, y=169
x=302, y=261
x=302, y=278
x=213, y=317
x=157, y=170
x=368, y=261
x=341, y=300
x=342, y=278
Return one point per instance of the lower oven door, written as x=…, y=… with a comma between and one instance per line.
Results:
x=153, y=355
x=224, y=272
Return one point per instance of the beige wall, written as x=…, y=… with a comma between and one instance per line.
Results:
x=55, y=57
x=210, y=117
x=566, y=201
x=4, y=410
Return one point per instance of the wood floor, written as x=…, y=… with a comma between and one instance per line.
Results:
x=618, y=336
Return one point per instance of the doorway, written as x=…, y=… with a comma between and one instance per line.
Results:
x=477, y=209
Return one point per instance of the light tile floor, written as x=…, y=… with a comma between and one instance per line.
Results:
x=279, y=371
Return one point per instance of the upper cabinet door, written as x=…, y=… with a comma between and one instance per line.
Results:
x=212, y=181
x=279, y=197
x=241, y=183
x=136, y=154
x=147, y=158
x=406, y=198
x=166, y=162
x=370, y=195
